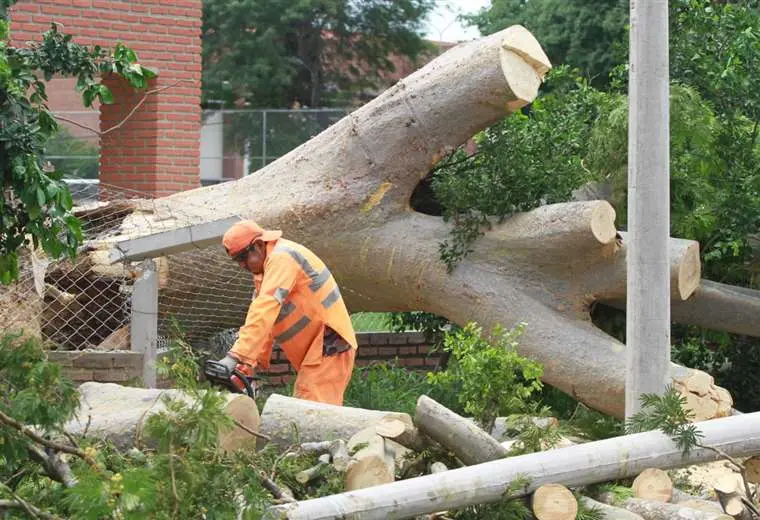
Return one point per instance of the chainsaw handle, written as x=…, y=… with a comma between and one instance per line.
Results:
x=246, y=383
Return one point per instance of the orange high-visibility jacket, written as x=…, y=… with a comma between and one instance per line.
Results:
x=296, y=298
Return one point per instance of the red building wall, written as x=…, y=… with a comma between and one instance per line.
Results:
x=157, y=151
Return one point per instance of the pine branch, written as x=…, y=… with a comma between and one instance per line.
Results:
x=20, y=503
x=13, y=423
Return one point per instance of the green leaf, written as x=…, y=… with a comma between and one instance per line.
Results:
x=106, y=96
x=41, y=199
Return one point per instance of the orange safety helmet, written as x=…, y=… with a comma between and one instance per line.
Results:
x=242, y=234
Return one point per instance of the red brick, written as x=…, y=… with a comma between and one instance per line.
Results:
x=367, y=351
x=407, y=350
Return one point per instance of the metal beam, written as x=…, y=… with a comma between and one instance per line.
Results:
x=171, y=242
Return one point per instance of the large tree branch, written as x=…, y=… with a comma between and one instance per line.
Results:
x=716, y=306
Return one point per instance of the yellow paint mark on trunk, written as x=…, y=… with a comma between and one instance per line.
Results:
x=377, y=197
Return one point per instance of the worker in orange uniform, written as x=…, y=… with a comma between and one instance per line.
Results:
x=297, y=306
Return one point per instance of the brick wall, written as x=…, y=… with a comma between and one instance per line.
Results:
x=158, y=150
x=409, y=348
x=105, y=367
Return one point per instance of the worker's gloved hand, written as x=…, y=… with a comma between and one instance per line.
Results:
x=229, y=363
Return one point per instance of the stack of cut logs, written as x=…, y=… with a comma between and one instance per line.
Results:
x=375, y=448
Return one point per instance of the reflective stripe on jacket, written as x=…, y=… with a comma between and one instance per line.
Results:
x=296, y=298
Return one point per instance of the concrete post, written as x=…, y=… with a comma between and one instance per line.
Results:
x=144, y=326
x=648, y=285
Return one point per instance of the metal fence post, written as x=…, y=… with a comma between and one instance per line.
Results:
x=263, y=138
x=144, y=325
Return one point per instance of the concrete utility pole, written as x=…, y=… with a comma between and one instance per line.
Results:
x=648, y=283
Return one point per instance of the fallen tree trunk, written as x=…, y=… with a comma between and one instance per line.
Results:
x=287, y=419
x=469, y=443
x=345, y=194
x=118, y=413
x=588, y=463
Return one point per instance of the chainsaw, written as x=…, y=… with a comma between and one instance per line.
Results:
x=235, y=381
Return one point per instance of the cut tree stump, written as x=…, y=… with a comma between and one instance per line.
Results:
x=588, y=463
x=554, y=502
x=653, y=484
x=468, y=442
x=118, y=413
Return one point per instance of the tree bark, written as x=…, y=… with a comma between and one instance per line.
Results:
x=654, y=510
x=469, y=443
x=588, y=463
x=287, y=419
x=610, y=512
x=117, y=413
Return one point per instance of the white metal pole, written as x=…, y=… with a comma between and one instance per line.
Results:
x=648, y=284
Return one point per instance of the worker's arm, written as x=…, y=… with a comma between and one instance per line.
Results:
x=255, y=338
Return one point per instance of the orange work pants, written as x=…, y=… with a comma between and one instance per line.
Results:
x=326, y=382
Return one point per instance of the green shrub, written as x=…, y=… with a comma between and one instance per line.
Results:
x=488, y=378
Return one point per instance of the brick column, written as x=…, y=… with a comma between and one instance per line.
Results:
x=158, y=150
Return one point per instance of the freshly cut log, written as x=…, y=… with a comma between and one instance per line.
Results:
x=372, y=465
x=468, y=442
x=282, y=416
x=438, y=467
x=118, y=413
x=653, y=484
x=609, y=512
x=403, y=433
x=654, y=510
x=732, y=497
x=554, y=502
x=588, y=463
x=752, y=465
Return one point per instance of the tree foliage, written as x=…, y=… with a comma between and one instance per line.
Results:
x=272, y=53
x=36, y=204
x=585, y=34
